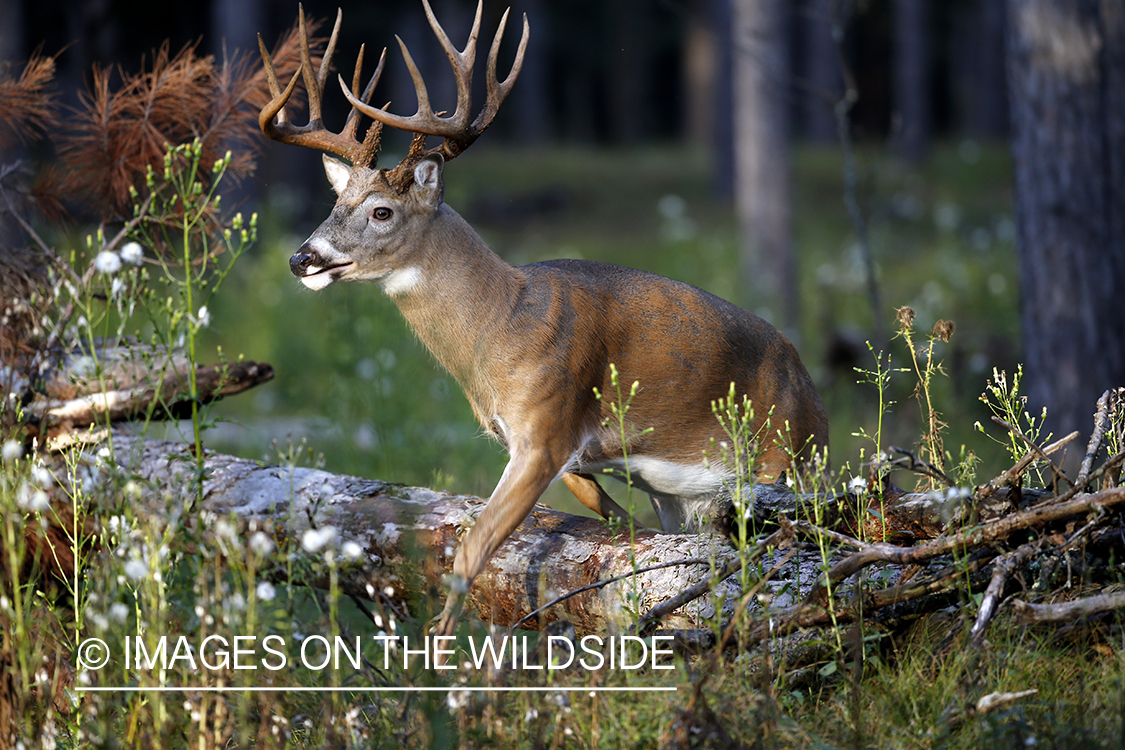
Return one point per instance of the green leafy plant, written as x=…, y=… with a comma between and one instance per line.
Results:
x=626, y=433
x=1003, y=398
x=925, y=367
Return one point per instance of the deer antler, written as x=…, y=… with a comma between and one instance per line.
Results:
x=314, y=135
x=457, y=130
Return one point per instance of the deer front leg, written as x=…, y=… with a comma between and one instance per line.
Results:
x=591, y=494
x=528, y=474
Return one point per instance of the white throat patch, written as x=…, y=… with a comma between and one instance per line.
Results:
x=401, y=281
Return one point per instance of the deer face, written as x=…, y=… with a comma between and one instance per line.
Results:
x=374, y=233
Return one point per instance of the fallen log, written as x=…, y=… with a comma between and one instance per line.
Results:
x=407, y=537
x=73, y=400
x=396, y=544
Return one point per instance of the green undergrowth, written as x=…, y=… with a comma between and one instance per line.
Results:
x=355, y=393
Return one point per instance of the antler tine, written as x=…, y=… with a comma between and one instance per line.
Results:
x=352, y=122
x=307, y=69
x=456, y=129
x=276, y=105
x=462, y=62
x=322, y=74
x=498, y=90
x=314, y=135
x=424, y=109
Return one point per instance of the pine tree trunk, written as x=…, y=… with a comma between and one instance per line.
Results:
x=820, y=66
x=761, y=146
x=911, y=78
x=1067, y=85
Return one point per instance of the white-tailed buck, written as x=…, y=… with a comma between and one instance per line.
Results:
x=531, y=344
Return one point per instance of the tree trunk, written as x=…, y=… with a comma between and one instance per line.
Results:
x=700, y=55
x=531, y=98
x=988, y=115
x=1066, y=63
x=820, y=61
x=723, y=150
x=762, y=165
x=911, y=79
x=629, y=71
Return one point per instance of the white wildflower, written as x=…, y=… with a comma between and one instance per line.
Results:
x=456, y=699
x=266, y=592
x=133, y=253
x=11, y=450
x=107, y=262
x=261, y=543
x=224, y=530
x=351, y=551
x=857, y=484
x=41, y=476
x=204, y=317
x=315, y=539
x=136, y=569
x=118, y=611
x=117, y=288
x=39, y=501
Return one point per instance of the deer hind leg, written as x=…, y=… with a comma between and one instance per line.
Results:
x=591, y=494
x=528, y=474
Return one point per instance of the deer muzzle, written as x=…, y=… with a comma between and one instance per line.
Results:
x=302, y=261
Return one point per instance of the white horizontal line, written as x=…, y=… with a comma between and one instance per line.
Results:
x=371, y=689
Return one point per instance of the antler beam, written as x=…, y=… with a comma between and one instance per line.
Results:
x=314, y=135
x=457, y=130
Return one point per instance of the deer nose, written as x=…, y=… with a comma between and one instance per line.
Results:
x=300, y=262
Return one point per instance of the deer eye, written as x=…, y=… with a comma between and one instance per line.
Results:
x=382, y=213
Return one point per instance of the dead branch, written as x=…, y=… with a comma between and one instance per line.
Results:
x=674, y=602
x=1028, y=613
x=127, y=382
x=1001, y=572
x=1012, y=476
x=1038, y=452
x=1101, y=421
x=970, y=538
x=583, y=571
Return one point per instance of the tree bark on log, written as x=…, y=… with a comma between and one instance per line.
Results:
x=408, y=536
x=124, y=382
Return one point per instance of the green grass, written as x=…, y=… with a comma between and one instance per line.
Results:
x=358, y=392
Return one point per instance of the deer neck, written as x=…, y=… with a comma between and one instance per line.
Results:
x=454, y=296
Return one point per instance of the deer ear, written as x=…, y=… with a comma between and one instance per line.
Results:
x=427, y=179
x=338, y=173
